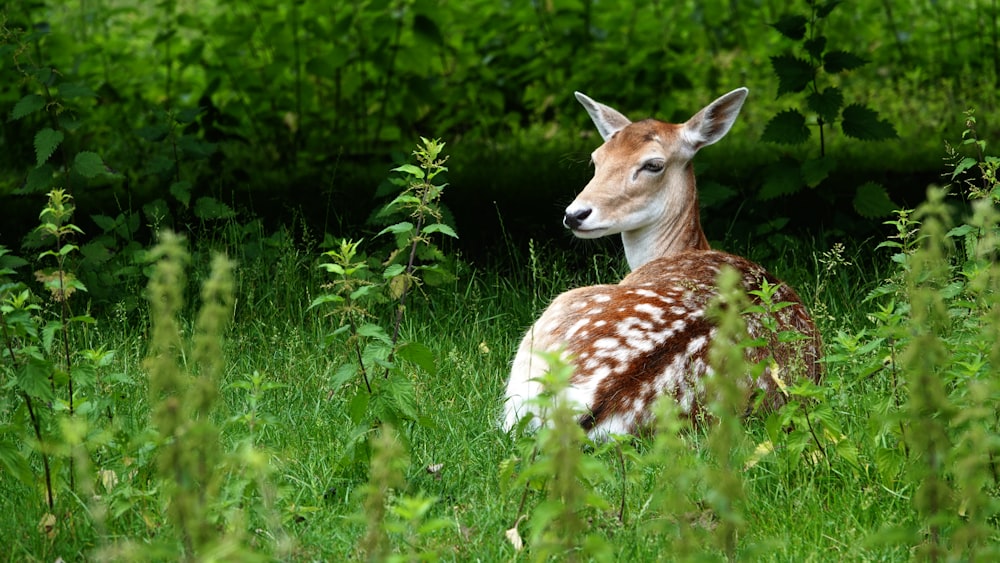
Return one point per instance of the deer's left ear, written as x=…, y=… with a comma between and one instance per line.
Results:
x=607, y=119
x=714, y=121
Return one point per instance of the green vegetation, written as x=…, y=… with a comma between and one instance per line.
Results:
x=335, y=390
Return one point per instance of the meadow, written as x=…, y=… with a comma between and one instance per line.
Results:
x=321, y=405
x=249, y=313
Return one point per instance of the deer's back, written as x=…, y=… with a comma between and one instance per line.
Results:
x=650, y=334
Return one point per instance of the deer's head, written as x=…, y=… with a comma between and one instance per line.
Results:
x=643, y=185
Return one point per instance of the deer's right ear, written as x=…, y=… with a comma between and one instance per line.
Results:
x=607, y=119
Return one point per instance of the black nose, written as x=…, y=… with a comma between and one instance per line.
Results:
x=573, y=220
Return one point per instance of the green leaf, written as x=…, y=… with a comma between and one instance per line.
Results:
x=411, y=170
x=815, y=47
x=787, y=127
x=69, y=90
x=827, y=104
x=825, y=8
x=815, y=170
x=863, y=123
x=153, y=133
x=792, y=26
x=781, y=178
x=374, y=331
x=403, y=397
x=182, y=192
x=871, y=201
x=440, y=228
x=419, y=354
x=794, y=74
x=963, y=165
x=358, y=405
x=33, y=377
x=323, y=299
x=401, y=227
x=840, y=61
x=344, y=373
x=713, y=193
x=88, y=164
x=27, y=106
x=46, y=142
x=39, y=179
x=211, y=208
x=427, y=28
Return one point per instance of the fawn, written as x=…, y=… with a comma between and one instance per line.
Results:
x=648, y=335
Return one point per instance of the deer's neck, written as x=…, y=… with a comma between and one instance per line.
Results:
x=679, y=229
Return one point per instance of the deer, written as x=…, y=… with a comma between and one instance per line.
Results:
x=648, y=336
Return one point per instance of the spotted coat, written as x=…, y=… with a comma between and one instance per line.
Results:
x=649, y=336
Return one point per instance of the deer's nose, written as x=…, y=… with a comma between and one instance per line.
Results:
x=574, y=218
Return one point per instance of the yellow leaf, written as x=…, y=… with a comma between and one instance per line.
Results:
x=514, y=537
x=776, y=376
x=47, y=525
x=759, y=453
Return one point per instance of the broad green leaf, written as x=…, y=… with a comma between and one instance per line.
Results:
x=963, y=165
x=781, y=178
x=401, y=227
x=713, y=193
x=46, y=142
x=12, y=461
x=418, y=354
x=344, y=373
x=961, y=231
x=794, y=74
x=411, y=170
x=33, y=377
x=871, y=201
x=358, y=405
x=106, y=224
x=815, y=170
x=181, y=192
x=88, y=164
x=840, y=61
x=374, y=331
x=27, y=106
x=153, y=133
x=211, y=208
x=827, y=104
x=815, y=47
x=403, y=396
x=787, y=127
x=425, y=27
x=39, y=179
x=824, y=9
x=393, y=271
x=440, y=228
x=863, y=123
x=792, y=26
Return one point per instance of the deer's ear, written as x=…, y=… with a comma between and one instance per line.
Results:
x=607, y=119
x=714, y=121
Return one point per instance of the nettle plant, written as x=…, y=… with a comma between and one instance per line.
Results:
x=936, y=332
x=374, y=371
x=811, y=69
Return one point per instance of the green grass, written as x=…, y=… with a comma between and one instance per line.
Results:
x=290, y=493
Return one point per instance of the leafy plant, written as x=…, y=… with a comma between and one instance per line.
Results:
x=810, y=71
x=377, y=355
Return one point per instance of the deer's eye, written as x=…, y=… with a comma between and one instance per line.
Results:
x=655, y=165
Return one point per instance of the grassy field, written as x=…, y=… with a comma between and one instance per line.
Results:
x=302, y=472
x=323, y=400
